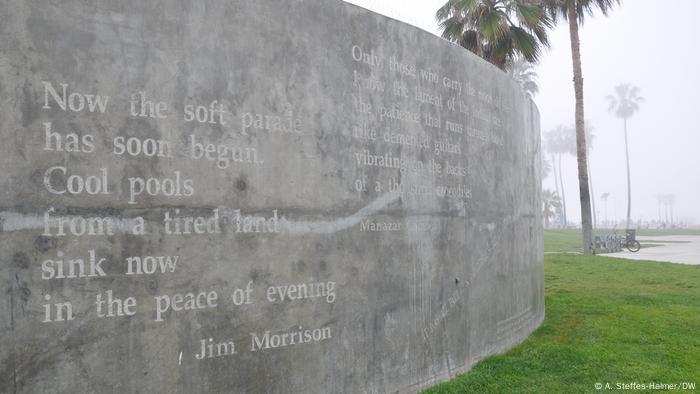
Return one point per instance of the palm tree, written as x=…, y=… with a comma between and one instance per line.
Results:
x=589, y=145
x=659, y=201
x=550, y=203
x=546, y=167
x=522, y=72
x=550, y=148
x=558, y=142
x=570, y=146
x=496, y=30
x=668, y=200
x=575, y=11
x=671, y=199
x=624, y=104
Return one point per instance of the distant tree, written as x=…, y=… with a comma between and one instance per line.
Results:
x=570, y=142
x=660, y=201
x=668, y=200
x=558, y=142
x=550, y=204
x=523, y=73
x=496, y=30
x=625, y=103
x=549, y=148
x=671, y=201
x=575, y=11
x=546, y=166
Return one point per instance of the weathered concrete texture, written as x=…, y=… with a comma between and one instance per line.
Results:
x=344, y=236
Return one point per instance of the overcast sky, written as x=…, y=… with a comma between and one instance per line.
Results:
x=649, y=43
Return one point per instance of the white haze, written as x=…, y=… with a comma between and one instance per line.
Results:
x=649, y=43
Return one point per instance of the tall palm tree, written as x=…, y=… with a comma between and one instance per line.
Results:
x=575, y=11
x=550, y=203
x=659, y=201
x=496, y=30
x=668, y=200
x=523, y=73
x=589, y=145
x=550, y=147
x=570, y=142
x=558, y=142
x=546, y=167
x=671, y=203
x=624, y=103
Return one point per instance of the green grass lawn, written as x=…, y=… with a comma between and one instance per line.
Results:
x=607, y=320
x=562, y=241
x=567, y=241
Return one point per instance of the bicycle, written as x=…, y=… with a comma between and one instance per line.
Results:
x=628, y=241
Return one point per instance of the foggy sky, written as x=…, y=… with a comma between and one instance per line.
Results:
x=649, y=43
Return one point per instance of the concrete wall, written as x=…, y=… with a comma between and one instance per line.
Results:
x=332, y=200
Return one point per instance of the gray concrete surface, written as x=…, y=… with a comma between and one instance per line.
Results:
x=256, y=196
x=682, y=249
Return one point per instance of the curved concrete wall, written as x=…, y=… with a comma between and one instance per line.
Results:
x=257, y=196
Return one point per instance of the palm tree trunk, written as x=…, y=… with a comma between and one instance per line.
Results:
x=672, y=220
x=584, y=194
x=629, y=187
x=590, y=183
x=556, y=177
x=563, y=197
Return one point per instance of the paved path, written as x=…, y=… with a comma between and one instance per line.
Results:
x=687, y=252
